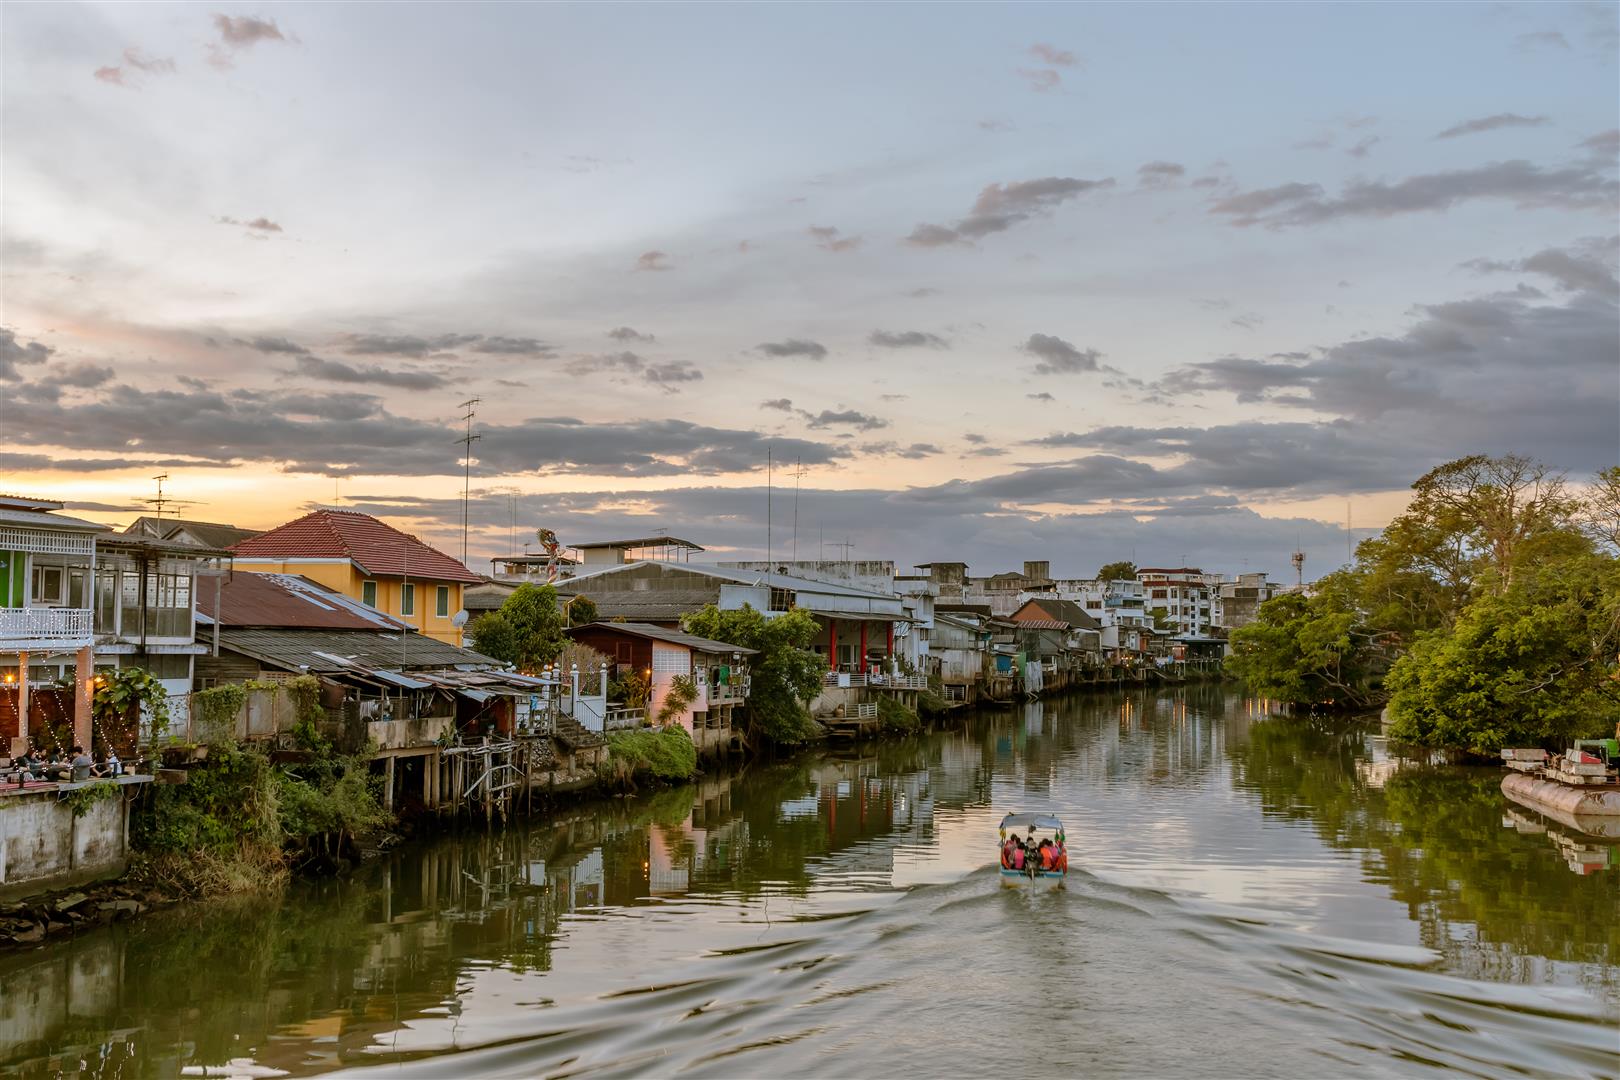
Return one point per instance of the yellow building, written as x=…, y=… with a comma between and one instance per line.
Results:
x=359, y=556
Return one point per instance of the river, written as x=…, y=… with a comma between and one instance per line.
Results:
x=1251, y=895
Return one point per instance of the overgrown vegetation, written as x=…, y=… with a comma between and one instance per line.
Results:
x=680, y=695
x=895, y=718
x=1488, y=612
x=664, y=753
x=785, y=674
x=527, y=630
x=122, y=696
x=80, y=800
x=239, y=821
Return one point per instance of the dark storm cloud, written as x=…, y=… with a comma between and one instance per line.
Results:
x=57, y=463
x=335, y=371
x=1526, y=186
x=1058, y=357
x=1492, y=123
x=907, y=339
x=626, y=333
x=13, y=353
x=812, y=350
x=1001, y=206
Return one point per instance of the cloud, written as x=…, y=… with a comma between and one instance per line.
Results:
x=975, y=439
x=907, y=339
x=1573, y=187
x=1041, y=79
x=237, y=33
x=653, y=260
x=828, y=239
x=783, y=404
x=273, y=345
x=994, y=124
x=1492, y=123
x=1363, y=145
x=333, y=371
x=923, y=293
x=1604, y=142
x=137, y=61
x=1572, y=270
x=112, y=75
x=625, y=333
x=258, y=224
x=1492, y=374
x=13, y=353
x=497, y=345
x=83, y=375
x=1001, y=206
x=1541, y=39
x=1053, y=55
x=1160, y=173
x=1058, y=357
x=844, y=418
x=667, y=375
x=1247, y=321
x=812, y=350
x=409, y=344
x=1042, y=396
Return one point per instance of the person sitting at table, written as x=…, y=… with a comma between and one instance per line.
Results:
x=81, y=765
x=110, y=765
x=58, y=768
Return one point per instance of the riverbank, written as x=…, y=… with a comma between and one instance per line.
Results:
x=789, y=909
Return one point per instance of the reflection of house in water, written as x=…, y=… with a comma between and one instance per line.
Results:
x=1587, y=849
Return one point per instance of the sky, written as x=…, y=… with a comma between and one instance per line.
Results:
x=1184, y=284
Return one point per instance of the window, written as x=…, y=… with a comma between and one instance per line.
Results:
x=441, y=601
x=50, y=585
x=407, y=599
x=168, y=600
x=783, y=599
x=1158, y=594
x=621, y=652
x=368, y=593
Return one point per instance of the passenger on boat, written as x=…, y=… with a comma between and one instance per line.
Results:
x=1007, y=849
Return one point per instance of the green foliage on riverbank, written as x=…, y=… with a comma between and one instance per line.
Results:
x=662, y=753
x=895, y=718
x=1488, y=612
x=526, y=631
x=784, y=676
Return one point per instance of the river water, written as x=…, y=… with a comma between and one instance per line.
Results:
x=1251, y=895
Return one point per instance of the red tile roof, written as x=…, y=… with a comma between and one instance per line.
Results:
x=377, y=549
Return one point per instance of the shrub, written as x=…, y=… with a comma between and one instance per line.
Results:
x=895, y=718
x=662, y=753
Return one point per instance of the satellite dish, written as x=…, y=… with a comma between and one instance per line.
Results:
x=459, y=619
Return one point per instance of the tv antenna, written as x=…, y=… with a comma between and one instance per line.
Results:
x=160, y=502
x=847, y=545
x=798, y=473
x=466, y=461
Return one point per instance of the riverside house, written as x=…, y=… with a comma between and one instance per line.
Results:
x=718, y=672
x=374, y=563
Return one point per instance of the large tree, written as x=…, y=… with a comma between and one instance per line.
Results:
x=1118, y=571
x=784, y=677
x=1531, y=664
x=1310, y=649
x=526, y=631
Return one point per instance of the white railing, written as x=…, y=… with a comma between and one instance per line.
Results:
x=844, y=678
x=44, y=627
x=866, y=712
x=623, y=719
x=47, y=541
x=899, y=682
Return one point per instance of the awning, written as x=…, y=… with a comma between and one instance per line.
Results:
x=857, y=616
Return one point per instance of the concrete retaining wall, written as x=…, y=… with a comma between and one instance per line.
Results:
x=44, y=847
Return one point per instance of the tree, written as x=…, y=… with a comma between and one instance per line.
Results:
x=525, y=632
x=1309, y=650
x=1531, y=664
x=580, y=611
x=784, y=676
x=1600, y=511
x=1161, y=619
x=1118, y=571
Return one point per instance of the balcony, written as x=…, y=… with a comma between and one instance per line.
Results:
x=46, y=628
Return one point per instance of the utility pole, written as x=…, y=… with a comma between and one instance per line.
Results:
x=466, y=475
x=768, y=566
x=798, y=471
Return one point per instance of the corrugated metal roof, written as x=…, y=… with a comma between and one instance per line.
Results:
x=724, y=573
x=640, y=542
x=377, y=548
x=1066, y=611
x=40, y=519
x=296, y=649
x=290, y=602
x=673, y=637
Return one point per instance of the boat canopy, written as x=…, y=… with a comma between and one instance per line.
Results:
x=1038, y=821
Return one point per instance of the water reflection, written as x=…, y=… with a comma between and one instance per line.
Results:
x=760, y=920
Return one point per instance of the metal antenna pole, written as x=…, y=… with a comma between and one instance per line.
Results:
x=798, y=471
x=466, y=475
x=767, y=514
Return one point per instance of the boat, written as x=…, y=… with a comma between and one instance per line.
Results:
x=1023, y=862
x=1580, y=784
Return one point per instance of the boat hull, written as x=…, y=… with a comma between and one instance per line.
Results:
x=1560, y=800
x=1048, y=879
